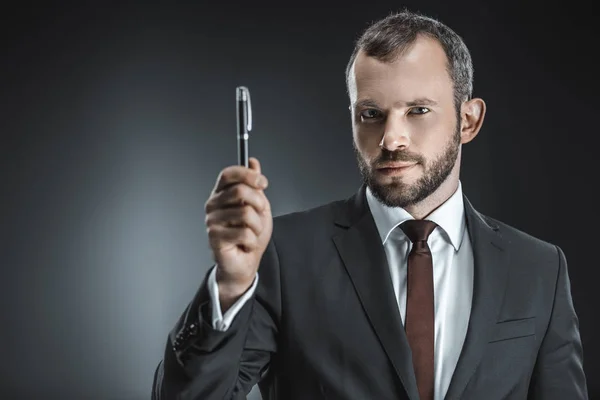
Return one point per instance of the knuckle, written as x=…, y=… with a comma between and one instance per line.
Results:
x=222, y=177
x=261, y=202
x=209, y=219
x=226, y=175
x=208, y=204
x=227, y=171
x=246, y=213
x=248, y=234
x=211, y=231
x=237, y=191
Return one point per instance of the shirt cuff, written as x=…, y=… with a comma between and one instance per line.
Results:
x=222, y=322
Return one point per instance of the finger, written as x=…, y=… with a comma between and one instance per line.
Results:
x=239, y=174
x=236, y=217
x=220, y=236
x=235, y=196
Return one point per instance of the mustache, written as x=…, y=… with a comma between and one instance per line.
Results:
x=396, y=156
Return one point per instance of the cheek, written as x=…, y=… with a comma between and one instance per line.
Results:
x=367, y=148
x=428, y=125
x=367, y=137
x=431, y=134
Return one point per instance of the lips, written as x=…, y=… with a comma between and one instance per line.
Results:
x=395, y=168
x=396, y=165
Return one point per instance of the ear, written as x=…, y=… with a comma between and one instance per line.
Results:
x=472, y=113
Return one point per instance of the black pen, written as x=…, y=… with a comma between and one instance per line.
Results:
x=244, y=123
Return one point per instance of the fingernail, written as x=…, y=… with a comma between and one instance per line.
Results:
x=261, y=181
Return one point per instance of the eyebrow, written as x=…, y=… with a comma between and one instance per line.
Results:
x=422, y=101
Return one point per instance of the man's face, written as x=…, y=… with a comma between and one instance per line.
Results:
x=404, y=117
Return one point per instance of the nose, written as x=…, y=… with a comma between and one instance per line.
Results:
x=395, y=134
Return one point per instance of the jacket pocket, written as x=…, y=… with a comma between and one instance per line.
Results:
x=513, y=329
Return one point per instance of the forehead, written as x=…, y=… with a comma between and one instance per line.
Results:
x=421, y=71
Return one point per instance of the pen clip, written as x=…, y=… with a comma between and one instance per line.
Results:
x=243, y=95
x=249, y=110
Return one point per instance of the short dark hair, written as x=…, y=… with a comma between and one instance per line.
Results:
x=389, y=37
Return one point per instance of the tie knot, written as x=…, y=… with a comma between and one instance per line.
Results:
x=418, y=229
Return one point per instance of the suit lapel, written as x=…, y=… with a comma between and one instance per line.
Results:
x=364, y=257
x=490, y=276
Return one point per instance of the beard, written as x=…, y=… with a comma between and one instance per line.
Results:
x=400, y=194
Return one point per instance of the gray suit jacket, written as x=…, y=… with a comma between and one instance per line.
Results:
x=324, y=323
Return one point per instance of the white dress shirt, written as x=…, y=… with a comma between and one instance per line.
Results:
x=221, y=322
x=452, y=278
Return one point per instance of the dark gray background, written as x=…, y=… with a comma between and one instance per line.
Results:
x=117, y=118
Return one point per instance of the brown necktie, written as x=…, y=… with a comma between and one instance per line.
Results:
x=419, y=323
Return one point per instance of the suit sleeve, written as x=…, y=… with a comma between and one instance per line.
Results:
x=201, y=362
x=558, y=372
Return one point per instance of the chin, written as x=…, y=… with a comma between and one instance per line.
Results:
x=403, y=180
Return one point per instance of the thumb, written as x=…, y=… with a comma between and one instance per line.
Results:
x=254, y=164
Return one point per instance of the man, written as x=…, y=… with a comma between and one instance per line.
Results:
x=404, y=290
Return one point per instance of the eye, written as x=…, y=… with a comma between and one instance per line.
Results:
x=369, y=114
x=419, y=110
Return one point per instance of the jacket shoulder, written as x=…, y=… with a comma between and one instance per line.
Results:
x=519, y=239
x=311, y=217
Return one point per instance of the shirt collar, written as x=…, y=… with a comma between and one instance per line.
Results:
x=450, y=216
